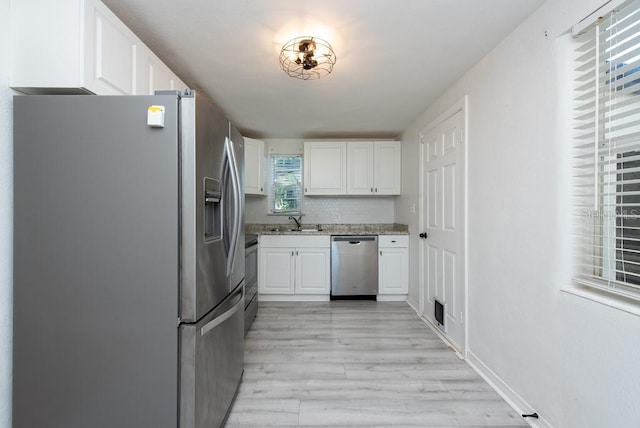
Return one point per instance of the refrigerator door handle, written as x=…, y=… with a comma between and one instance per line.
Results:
x=225, y=316
x=226, y=176
x=235, y=180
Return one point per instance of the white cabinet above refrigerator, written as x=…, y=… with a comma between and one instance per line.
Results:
x=80, y=46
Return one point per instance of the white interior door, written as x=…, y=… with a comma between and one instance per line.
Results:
x=443, y=220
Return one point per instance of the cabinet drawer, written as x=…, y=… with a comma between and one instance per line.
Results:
x=296, y=241
x=393, y=241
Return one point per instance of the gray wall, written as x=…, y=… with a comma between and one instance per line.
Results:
x=571, y=359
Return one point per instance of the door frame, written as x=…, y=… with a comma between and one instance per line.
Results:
x=462, y=107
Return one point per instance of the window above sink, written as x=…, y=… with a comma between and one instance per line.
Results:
x=285, y=193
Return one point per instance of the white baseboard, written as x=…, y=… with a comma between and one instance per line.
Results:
x=509, y=395
x=433, y=328
x=293, y=297
x=415, y=305
x=512, y=398
x=391, y=297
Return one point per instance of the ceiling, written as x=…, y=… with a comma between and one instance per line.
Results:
x=394, y=58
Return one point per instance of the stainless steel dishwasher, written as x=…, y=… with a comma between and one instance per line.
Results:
x=354, y=266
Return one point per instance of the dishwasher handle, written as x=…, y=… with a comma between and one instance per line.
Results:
x=353, y=239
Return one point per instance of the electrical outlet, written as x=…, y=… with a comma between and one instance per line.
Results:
x=412, y=208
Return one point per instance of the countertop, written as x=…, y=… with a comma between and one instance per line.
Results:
x=328, y=229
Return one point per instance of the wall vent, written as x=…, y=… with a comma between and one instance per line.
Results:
x=439, y=315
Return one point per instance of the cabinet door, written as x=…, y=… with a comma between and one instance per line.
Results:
x=253, y=166
x=360, y=168
x=276, y=271
x=325, y=168
x=111, y=52
x=387, y=168
x=312, y=271
x=161, y=78
x=79, y=47
x=393, y=271
x=45, y=50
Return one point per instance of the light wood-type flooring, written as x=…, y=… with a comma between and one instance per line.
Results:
x=357, y=364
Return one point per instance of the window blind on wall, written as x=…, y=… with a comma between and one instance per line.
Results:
x=286, y=184
x=607, y=151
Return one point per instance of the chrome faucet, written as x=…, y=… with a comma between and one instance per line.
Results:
x=298, y=221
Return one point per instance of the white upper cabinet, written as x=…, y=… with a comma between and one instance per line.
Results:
x=372, y=168
x=79, y=46
x=159, y=77
x=386, y=172
x=254, y=161
x=112, y=52
x=360, y=168
x=325, y=168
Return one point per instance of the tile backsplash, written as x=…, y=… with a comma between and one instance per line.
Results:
x=326, y=210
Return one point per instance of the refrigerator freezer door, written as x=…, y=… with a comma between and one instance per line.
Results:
x=212, y=355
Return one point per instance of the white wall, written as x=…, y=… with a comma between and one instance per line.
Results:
x=323, y=210
x=6, y=210
x=574, y=361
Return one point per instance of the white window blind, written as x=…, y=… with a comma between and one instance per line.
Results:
x=607, y=152
x=286, y=184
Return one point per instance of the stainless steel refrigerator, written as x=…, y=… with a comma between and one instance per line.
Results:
x=128, y=261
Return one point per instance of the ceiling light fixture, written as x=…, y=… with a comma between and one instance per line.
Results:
x=307, y=58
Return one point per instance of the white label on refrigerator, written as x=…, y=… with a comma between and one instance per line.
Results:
x=155, y=116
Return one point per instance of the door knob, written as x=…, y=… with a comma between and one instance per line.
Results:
x=423, y=235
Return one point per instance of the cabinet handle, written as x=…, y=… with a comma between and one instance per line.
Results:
x=261, y=189
x=376, y=190
x=292, y=254
x=296, y=252
x=372, y=190
x=380, y=252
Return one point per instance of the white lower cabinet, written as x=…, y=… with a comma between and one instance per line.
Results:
x=393, y=267
x=294, y=267
x=276, y=270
